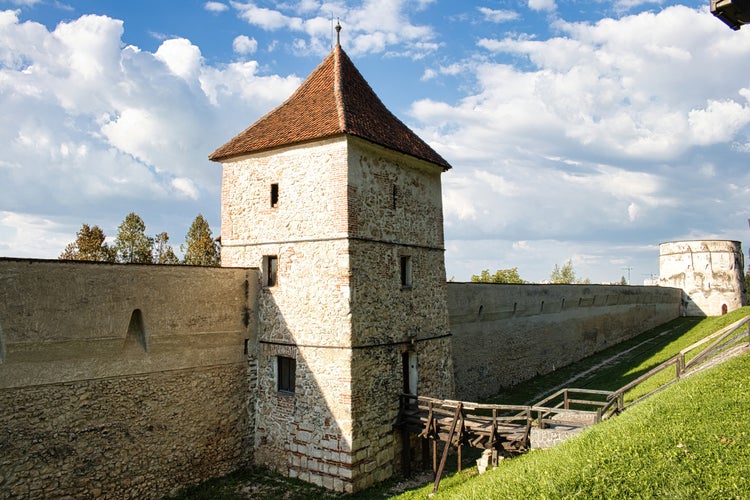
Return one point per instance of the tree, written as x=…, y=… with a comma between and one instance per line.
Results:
x=163, y=253
x=132, y=245
x=623, y=281
x=200, y=248
x=500, y=276
x=89, y=245
x=566, y=275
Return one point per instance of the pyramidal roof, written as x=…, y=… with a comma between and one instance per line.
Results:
x=335, y=99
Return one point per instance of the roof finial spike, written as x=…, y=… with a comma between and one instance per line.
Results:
x=338, y=32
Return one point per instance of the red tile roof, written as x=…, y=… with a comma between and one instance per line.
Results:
x=335, y=99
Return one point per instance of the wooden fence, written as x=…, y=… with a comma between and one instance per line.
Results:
x=507, y=427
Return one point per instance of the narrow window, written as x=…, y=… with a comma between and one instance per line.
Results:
x=395, y=196
x=406, y=271
x=274, y=195
x=410, y=374
x=286, y=369
x=270, y=269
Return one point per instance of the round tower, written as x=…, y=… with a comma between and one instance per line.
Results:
x=710, y=273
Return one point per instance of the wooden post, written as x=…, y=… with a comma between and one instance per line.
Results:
x=405, y=453
x=447, y=447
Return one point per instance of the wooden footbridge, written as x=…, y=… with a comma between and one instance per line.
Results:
x=503, y=430
x=506, y=429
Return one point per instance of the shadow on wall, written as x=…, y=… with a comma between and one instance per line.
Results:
x=311, y=406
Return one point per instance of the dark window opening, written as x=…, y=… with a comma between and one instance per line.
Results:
x=270, y=269
x=274, y=195
x=395, y=196
x=409, y=372
x=286, y=369
x=406, y=276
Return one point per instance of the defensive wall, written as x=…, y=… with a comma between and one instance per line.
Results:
x=129, y=381
x=505, y=334
x=123, y=381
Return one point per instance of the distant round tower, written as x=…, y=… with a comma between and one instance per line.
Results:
x=710, y=272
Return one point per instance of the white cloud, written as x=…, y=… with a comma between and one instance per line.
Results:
x=215, y=7
x=372, y=26
x=545, y=5
x=717, y=121
x=109, y=125
x=186, y=187
x=243, y=44
x=181, y=57
x=627, y=128
x=498, y=15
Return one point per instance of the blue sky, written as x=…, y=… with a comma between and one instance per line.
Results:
x=589, y=131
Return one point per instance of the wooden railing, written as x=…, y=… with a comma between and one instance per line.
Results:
x=717, y=342
x=491, y=426
x=565, y=407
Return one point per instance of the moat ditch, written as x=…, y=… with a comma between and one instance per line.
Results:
x=607, y=370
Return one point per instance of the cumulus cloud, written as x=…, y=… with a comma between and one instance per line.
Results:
x=601, y=136
x=544, y=5
x=243, y=44
x=372, y=26
x=215, y=7
x=106, y=124
x=498, y=15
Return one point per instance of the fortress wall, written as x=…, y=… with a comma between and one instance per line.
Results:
x=505, y=334
x=123, y=381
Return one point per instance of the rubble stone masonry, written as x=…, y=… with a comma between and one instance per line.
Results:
x=123, y=381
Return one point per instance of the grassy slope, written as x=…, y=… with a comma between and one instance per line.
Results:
x=644, y=353
x=690, y=441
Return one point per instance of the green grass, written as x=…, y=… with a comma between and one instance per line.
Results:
x=646, y=351
x=689, y=441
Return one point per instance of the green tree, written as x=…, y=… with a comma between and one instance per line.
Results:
x=89, y=245
x=200, y=248
x=500, y=276
x=163, y=252
x=564, y=275
x=132, y=245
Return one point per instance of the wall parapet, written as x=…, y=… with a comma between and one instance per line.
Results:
x=506, y=334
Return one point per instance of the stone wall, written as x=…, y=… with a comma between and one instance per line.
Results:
x=505, y=334
x=710, y=272
x=395, y=211
x=305, y=314
x=347, y=212
x=123, y=381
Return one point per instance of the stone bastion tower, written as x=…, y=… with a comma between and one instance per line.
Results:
x=339, y=204
x=710, y=273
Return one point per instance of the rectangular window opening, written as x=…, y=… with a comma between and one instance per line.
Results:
x=270, y=269
x=286, y=369
x=274, y=195
x=406, y=275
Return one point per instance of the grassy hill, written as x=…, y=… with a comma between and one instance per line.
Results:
x=691, y=440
